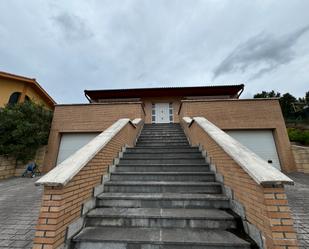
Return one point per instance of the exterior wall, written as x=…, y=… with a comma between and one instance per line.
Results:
x=265, y=207
x=9, y=86
x=63, y=205
x=301, y=155
x=9, y=169
x=246, y=114
x=35, y=97
x=85, y=118
x=148, y=106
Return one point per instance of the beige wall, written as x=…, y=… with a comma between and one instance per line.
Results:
x=246, y=114
x=301, y=155
x=85, y=118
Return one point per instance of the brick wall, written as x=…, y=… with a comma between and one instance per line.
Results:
x=265, y=207
x=301, y=155
x=8, y=167
x=62, y=205
x=246, y=114
x=85, y=118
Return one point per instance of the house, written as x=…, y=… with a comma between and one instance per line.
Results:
x=257, y=123
x=17, y=89
x=171, y=167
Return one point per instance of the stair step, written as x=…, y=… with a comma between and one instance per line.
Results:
x=162, y=133
x=159, y=134
x=156, y=238
x=163, y=200
x=163, y=176
x=142, y=150
x=162, y=140
x=162, y=144
x=193, y=155
x=158, y=160
x=162, y=187
x=122, y=167
x=161, y=217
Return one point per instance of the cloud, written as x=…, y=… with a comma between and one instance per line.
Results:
x=260, y=54
x=73, y=27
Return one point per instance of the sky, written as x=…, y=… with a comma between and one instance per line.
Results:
x=73, y=45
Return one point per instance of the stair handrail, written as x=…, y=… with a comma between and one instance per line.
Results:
x=66, y=170
x=256, y=167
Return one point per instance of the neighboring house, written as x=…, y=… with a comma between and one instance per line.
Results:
x=17, y=89
x=257, y=123
x=159, y=168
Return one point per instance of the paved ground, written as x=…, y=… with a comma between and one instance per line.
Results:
x=19, y=208
x=20, y=201
x=298, y=196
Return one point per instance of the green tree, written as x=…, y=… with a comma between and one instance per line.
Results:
x=286, y=105
x=23, y=129
x=264, y=94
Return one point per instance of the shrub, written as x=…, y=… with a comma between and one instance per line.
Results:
x=298, y=135
x=24, y=128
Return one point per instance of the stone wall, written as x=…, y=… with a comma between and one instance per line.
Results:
x=301, y=155
x=8, y=167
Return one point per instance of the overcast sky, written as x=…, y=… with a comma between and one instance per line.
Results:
x=69, y=46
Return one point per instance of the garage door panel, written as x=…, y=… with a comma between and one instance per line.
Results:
x=260, y=142
x=71, y=142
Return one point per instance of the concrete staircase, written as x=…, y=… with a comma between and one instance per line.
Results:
x=162, y=196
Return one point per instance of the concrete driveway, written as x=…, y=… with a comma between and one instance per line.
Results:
x=20, y=201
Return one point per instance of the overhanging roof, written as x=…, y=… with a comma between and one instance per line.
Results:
x=32, y=83
x=230, y=90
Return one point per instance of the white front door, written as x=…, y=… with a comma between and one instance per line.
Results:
x=162, y=112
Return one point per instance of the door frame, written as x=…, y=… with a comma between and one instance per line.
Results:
x=170, y=113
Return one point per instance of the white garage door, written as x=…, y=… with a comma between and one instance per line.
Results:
x=71, y=142
x=260, y=142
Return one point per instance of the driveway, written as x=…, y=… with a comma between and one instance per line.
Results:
x=298, y=196
x=20, y=201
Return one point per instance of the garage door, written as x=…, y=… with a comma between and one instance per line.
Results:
x=71, y=142
x=260, y=142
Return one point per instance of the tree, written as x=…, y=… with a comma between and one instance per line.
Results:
x=24, y=128
x=286, y=105
x=264, y=94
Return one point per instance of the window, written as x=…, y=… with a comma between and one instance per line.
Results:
x=27, y=98
x=14, y=98
x=171, y=116
x=153, y=113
